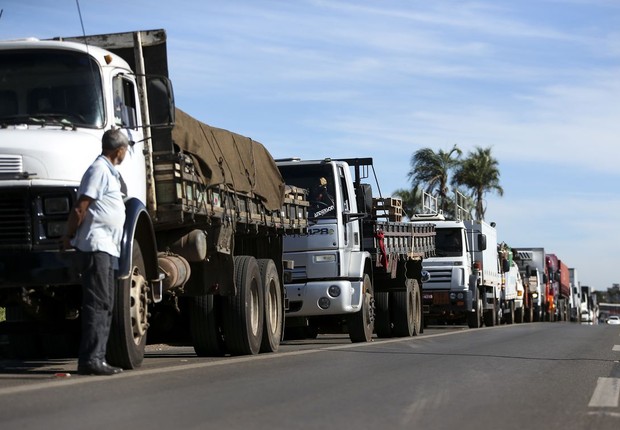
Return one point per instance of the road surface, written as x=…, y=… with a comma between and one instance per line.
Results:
x=539, y=375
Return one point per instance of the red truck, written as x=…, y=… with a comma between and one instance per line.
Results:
x=559, y=279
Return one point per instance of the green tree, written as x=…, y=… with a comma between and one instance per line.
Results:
x=479, y=172
x=412, y=200
x=431, y=170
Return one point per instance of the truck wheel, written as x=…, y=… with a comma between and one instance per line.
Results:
x=490, y=316
x=474, y=319
x=129, y=316
x=407, y=310
x=274, y=310
x=510, y=314
x=243, y=313
x=383, y=326
x=361, y=324
x=519, y=315
x=206, y=331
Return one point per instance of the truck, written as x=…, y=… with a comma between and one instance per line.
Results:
x=575, y=302
x=512, y=298
x=560, y=287
x=589, y=306
x=532, y=264
x=359, y=269
x=206, y=209
x=465, y=280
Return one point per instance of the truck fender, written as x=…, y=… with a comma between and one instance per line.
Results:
x=359, y=265
x=139, y=226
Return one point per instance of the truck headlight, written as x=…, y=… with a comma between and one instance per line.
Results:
x=55, y=229
x=326, y=258
x=55, y=205
x=333, y=290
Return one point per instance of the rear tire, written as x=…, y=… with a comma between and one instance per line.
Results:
x=207, y=335
x=383, y=326
x=243, y=314
x=407, y=310
x=274, y=310
x=129, y=316
x=362, y=323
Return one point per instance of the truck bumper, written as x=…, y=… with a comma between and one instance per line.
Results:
x=321, y=298
x=447, y=304
x=32, y=269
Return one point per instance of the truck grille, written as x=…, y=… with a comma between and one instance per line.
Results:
x=15, y=225
x=11, y=163
x=440, y=276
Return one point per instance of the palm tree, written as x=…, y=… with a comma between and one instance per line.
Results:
x=431, y=169
x=480, y=173
x=412, y=200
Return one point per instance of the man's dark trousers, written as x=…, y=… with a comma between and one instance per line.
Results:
x=98, y=285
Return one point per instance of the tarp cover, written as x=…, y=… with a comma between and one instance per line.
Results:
x=228, y=158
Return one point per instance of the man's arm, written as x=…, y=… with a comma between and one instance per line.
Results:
x=76, y=216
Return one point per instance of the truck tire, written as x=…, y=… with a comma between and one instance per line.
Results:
x=383, y=325
x=407, y=310
x=129, y=316
x=362, y=323
x=490, y=316
x=205, y=326
x=274, y=308
x=243, y=313
x=510, y=313
x=519, y=315
x=474, y=319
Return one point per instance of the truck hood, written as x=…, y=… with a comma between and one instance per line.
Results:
x=46, y=153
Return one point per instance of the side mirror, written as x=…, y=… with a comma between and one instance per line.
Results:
x=505, y=266
x=482, y=242
x=161, y=101
x=347, y=217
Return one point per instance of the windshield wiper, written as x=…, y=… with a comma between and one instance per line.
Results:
x=42, y=119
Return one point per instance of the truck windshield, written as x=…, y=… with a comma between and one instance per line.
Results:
x=50, y=87
x=319, y=181
x=449, y=242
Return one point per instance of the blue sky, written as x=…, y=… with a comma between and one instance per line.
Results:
x=536, y=80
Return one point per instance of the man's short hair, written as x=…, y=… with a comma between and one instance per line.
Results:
x=113, y=139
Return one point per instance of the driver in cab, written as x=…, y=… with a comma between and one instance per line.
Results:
x=322, y=202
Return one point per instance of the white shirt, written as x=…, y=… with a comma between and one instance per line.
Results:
x=102, y=227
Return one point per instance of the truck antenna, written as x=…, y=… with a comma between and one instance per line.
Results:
x=77, y=2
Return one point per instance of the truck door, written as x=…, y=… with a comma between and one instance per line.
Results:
x=350, y=236
x=126, y=115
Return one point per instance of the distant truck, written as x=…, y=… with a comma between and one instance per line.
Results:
x=588, y=305
x=531, y=262
x=512, y=298
x=465, y=278
x=206, y=209
x=560, y=286
x=575, y=304
x=359, y=269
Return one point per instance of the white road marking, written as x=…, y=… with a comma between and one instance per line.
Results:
x=616, y=348
x=606, y=393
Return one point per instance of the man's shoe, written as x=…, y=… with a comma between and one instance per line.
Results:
x=98, y=368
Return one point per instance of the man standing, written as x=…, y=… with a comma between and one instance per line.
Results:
x=95, y=228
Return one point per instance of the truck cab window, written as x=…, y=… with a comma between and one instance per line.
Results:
x=54, y=88
x=319, y=181
x=448, y=242
x=125, y=110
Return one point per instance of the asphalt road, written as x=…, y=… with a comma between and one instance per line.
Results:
x=540, y=375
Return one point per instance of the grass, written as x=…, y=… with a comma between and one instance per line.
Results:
x=2, y=314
